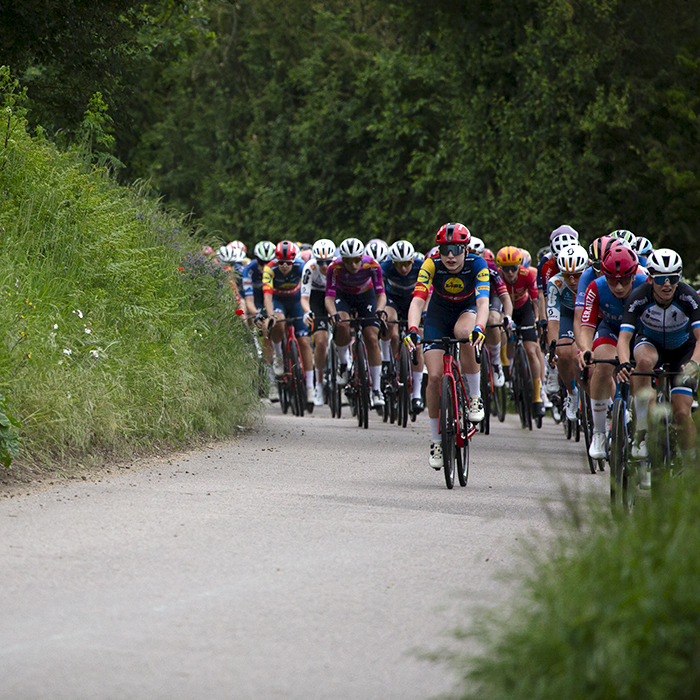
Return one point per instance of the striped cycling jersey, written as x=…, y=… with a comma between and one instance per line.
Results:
x=470, y=283
x=286, y=286
x=498, y=286
x=668, y=327
x=339, y=279
x=560, y=298
x=312, y=279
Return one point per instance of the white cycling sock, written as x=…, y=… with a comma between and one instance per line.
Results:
x=641, y=407
x=495, y=351
x=343, y=353
x=375, y=374
x=385, y=346
x=473, y=384
x=417, y=381
x=600, y=408
x=277, y=347
x=435, y=429
x=309, y=378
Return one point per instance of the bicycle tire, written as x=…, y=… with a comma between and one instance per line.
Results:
x=486, y=384
x=298, y=383
x=587, y=420
x=464, y=426
x=660, y=451
x=621, y=490
x=284, y=396
x=524, y=380
x=336, y=391
x=404, y=388
x=502, y=393
x=447, y=430
x=362, y=383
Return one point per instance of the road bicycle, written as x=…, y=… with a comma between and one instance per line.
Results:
x=390, y=389
x=586, y=420
x=521, y=379
x=358, y=387
x=292, y=384
x=403, y=378
x=455, y=428
x=572, y=428
x=333, y=387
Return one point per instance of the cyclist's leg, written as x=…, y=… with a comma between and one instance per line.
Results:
x=601, y=386
x=366, y=305
x=320, y=332
x=682, y=402
x=646, y=357
x=341, y=335
x=390, y=342
x=493, y=335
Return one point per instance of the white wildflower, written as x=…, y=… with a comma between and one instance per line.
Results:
x=55, y=327
x=79, y=312
x=66, y=351
x=94, y=353
x=60, y=362
x=87, y=330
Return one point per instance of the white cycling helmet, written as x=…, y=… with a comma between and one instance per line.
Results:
x=625, y=237
x=351, y=248
x=562, y=241
x=664, y=261
x=418, y=256
x=225, y=255
x=642, y=246
x=476, y=246
x=401, y=251
x=239, y=251
x=527, y=258
x=324, y=249
x=377, y=249
x=573, y=259
x=265, y=251
x=560, y=230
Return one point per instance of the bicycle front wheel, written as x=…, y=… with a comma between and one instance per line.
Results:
x=464, y=427
x=486, y=383
x=448, y=430
x=621, y=491
x=587, y=424
x=362, y=386
x=296, y=374
x=404, y=388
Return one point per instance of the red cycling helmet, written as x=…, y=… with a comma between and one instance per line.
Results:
x=286, y=251
x=453, y=233
x=619, y=262
x=488, y=255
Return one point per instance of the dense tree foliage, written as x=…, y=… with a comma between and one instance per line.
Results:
x=371, y=118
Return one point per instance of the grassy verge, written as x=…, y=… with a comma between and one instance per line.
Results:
x=116, y=336
x=610, y=610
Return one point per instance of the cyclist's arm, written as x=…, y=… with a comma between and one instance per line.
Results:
x=624, y=339
x=541, y=304
x=329, y=302
x=578, y=311
x=482, y=311
x=507, y=304
x=305, y=304
x=695, y=357
x=381, y=301
x=250, y=307
x=415, y=311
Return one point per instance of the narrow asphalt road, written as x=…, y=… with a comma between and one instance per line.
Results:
x=311, y=559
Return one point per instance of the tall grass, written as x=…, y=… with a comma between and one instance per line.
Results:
x=610, y=610
x=116, y=336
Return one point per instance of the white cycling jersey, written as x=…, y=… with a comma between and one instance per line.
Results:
x=312, y=279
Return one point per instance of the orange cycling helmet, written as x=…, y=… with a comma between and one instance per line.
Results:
x=453, y=233
x=509, y=256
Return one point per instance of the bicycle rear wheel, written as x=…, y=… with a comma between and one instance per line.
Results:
x=501, y=396
x=404, y=388
x=447, y=430
x=336, y=391
x=660, y=448
x=464, y=426
x=523, y=386
x=587, y=421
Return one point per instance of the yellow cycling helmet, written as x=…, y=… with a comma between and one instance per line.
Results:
x=509, y=256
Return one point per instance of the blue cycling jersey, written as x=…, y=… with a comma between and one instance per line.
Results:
x=668, y=327
x=586, y=278
x=601, y=303
x=560, y=299
x=252, y=283
x=399, y=288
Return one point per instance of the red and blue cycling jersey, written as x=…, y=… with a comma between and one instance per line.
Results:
x=283, y=286
x=467, y=285
x=339, y=279
x=600, y=304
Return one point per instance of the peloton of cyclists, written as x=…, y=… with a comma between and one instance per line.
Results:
x=458, y=308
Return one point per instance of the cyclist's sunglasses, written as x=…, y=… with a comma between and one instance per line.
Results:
x=324, y=262
x=352, y=261
x=447, y=248
x=618, y=280
x=285, y=262
x=661, y=279
x=510, y=268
